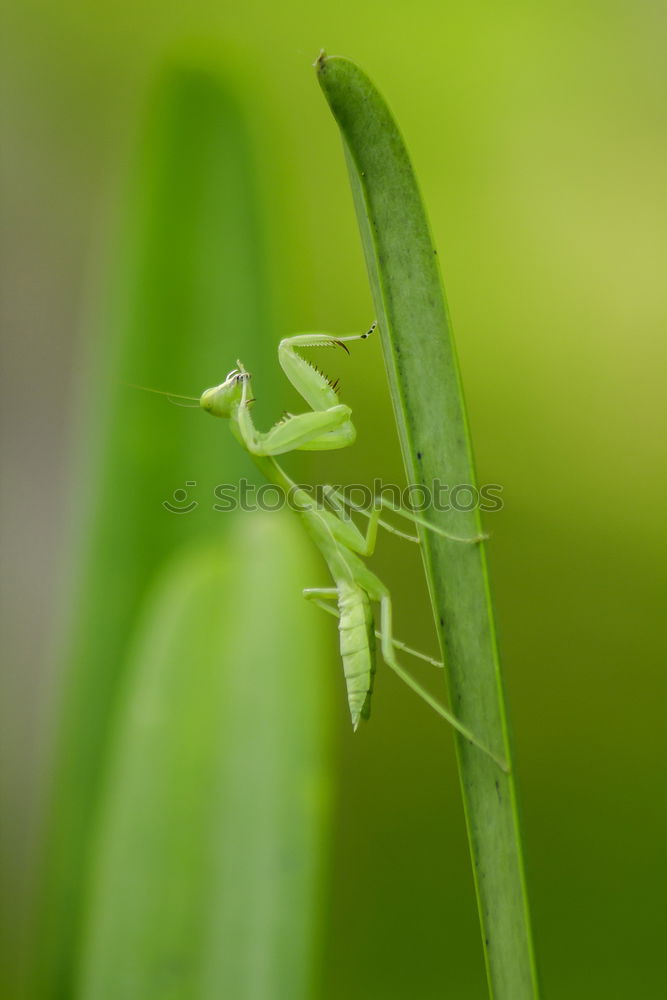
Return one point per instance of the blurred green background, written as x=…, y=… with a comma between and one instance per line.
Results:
x=537, y=133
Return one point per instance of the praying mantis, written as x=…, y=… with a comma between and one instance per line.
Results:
x=328, y=425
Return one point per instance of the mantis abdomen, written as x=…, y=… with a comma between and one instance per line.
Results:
x=357, y=647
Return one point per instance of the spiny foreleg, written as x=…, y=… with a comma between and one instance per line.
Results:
x=319, y=391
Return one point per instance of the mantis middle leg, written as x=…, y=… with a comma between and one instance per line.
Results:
x=382, y=502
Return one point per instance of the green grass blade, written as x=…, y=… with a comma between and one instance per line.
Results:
x=207, y=873
x=186, y=295
x=428, y=404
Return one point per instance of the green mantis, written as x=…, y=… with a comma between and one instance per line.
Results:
x=328, y=425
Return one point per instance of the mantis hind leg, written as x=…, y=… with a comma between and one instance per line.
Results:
x=320, y=596
x=387, y=645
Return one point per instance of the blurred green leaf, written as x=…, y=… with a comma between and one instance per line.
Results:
x=187, y=292
x=207, y=874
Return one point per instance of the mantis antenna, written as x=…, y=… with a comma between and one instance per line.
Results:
x=171, y=396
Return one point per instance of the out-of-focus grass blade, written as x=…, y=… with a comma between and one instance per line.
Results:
x=206, y=876
x=430, y=414
x=186, y=297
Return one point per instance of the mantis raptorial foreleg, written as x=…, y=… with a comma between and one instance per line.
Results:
x=318, y=391
x=327, y=427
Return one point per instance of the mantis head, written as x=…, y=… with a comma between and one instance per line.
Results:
x=222, y=400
